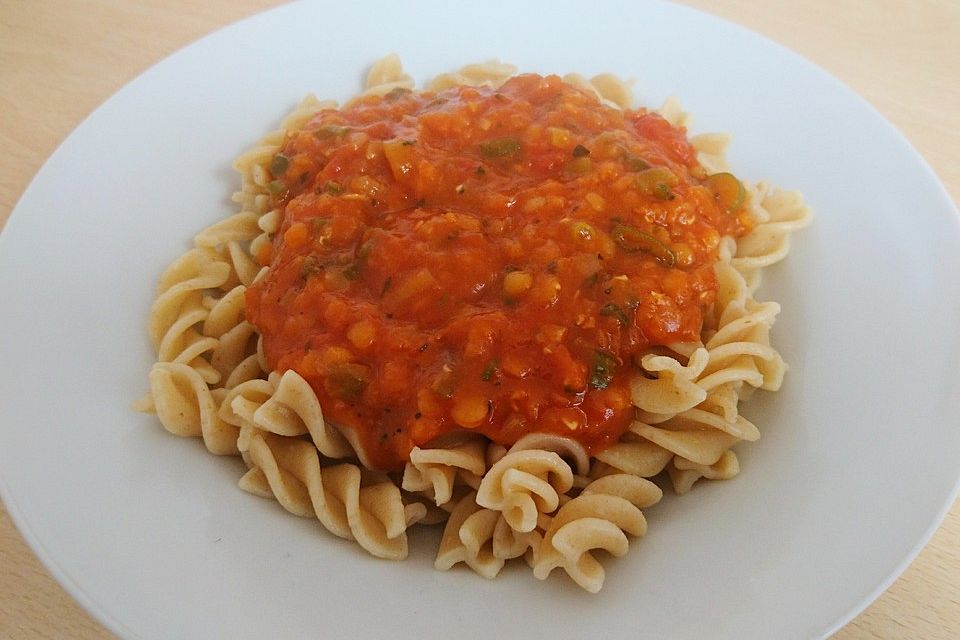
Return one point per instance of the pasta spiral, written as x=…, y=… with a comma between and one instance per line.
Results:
x=482, y=539
x=524, y=484
x=347, y=502
x=186, y=406
x=435, y=471
x=287, y=406
x=596, y=519
x=468, y=538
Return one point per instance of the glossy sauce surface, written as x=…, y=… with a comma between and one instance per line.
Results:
x=492, y=260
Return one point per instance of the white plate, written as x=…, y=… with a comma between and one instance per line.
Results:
x=861, y=449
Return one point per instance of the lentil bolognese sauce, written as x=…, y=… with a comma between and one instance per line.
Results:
x=529, y=300
x=495, y=260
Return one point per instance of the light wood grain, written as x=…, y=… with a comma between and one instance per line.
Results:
x=58, y=61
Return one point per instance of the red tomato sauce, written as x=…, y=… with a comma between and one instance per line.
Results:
x=491, y=260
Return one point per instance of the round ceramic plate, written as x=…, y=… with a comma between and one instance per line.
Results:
x=860, y=451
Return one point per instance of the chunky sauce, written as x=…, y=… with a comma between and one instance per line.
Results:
x=493, y=260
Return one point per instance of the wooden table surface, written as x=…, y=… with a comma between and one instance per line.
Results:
x=59, y=61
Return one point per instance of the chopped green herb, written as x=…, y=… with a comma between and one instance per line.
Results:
x=632, y=239
x=613, y=310
x=592, y=279
x=333, y=187
x=602, y=369
x=279, y=164
x=580, y=151
x=365, y=250
x=311, y=266
x=500, y=147
x=489, y=369
x=319, y=223
x=352, y=270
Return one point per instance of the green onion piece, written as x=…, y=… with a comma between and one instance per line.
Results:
x=500, y=147
x=663, y=192
x=279, y=164
x=277, y=188
x=656, y=182
x=489, y=369
x=580, y=151
x=444, y=385
x=346, y=381
x=602, y=369
x=328, y=131
x=319, y=223
x=636, y=163
x=582, y=164
x=632, y=239
x=395, y=93
x=582, y=230
x=728, y=191
x=614, y=311
x=333, y=187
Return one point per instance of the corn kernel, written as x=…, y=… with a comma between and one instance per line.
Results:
x=516, y=283
x=361, y=333
x=469, y=410
x=595, y=200
x=684, y=255
x=336, y=355
x=534, y=204
x=559, y=137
